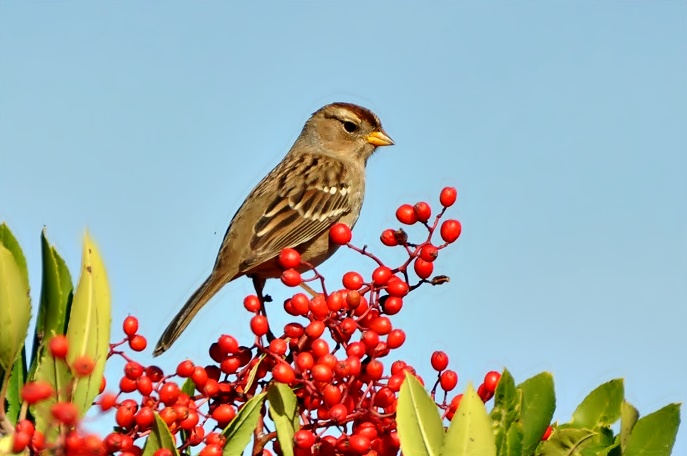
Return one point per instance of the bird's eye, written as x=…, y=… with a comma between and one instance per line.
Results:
x=350, y=126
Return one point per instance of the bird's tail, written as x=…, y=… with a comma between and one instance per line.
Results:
x=181, y=320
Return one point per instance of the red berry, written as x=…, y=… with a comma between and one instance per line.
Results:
x=352, y=281
x=294, y=330
x=448, y=380
x=145, y=418
x=107, y=401
x=491, y=380
x=547, y=433
x=374, y=369
x=58, y=346
x=396, y=338
x=338, y=413
x=319, y=347
x=391, y=304
x=185, y=368
x=138, y=343
x=423, y=268
x=223, y=414
x=483, y=393
x=450, y=230
x=169, y=393
x=278, y=347
x=318, y=307
x=130, y=326
x=20, y=442
x=429, y=253
x=422, y=211
x=439, y=360
x=388, y=238
x=259, y=325
x=144, y=385
x=322, y=373
x=335, y=301
x=406, y=214
x=83, y=366
x=289, y=258
x=126, y=385
x=34, y=392
x=199, y=376
x=228, y=344
x=65, y=413
x=133, y=370
x=381, y=276
x=304, y=361
x=304, y=439
x=251, y=303
x=340, y=234
x=283, y=373
x=314, y=329
x=380, y=325
x=291, y=278
x=397, y=288
x=359, y=444
x=448, y=196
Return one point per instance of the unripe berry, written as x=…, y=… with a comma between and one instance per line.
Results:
x=448, y=196
x=289, y=258
x=340, y=234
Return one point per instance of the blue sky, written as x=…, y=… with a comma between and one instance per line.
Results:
x=561, y=124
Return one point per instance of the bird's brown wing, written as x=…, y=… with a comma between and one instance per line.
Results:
x=312, y=193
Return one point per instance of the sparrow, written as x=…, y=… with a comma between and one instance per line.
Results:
x=320, y=181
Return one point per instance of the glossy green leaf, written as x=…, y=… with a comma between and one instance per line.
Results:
x=470, y=432
x=284, y=413
x=537, y=407
x=239, y=432
x=655, y=433
x=506, y=414
x=88, y=331
x=17, y=379
x=628, y=419
x=565, y=441
x=15, y=307
x=601, y=407
x=8, y=240
x=419, y=424
x=159, y=437
x=56, y=295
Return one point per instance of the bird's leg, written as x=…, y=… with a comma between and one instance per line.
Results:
x=259, y=285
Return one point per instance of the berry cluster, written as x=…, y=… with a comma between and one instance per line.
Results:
x=333, y=354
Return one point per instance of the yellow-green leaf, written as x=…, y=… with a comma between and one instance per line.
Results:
x=284, y=413
x=470, y=432
x=419, y=424
x=88, y=331
x=159, y=437
x=15, y=308
x=240, y=430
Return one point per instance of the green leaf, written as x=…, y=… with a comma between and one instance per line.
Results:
x=601, y=407
x=17, y=379
x=513, y=442
x=8, y=240
x=505, y=415
x=628, y=418
x=15, y=306
x=564, y=441
x=419, y=424
x=160, y=437
x=56, y=296
x=470, y=432
x=88, y=331
x=655, y=433
x=284, y=413
x=536, y=410
x=239, y=432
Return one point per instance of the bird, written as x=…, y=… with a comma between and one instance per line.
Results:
x=319, y=182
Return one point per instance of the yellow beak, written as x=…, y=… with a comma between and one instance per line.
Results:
x=379, y=138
